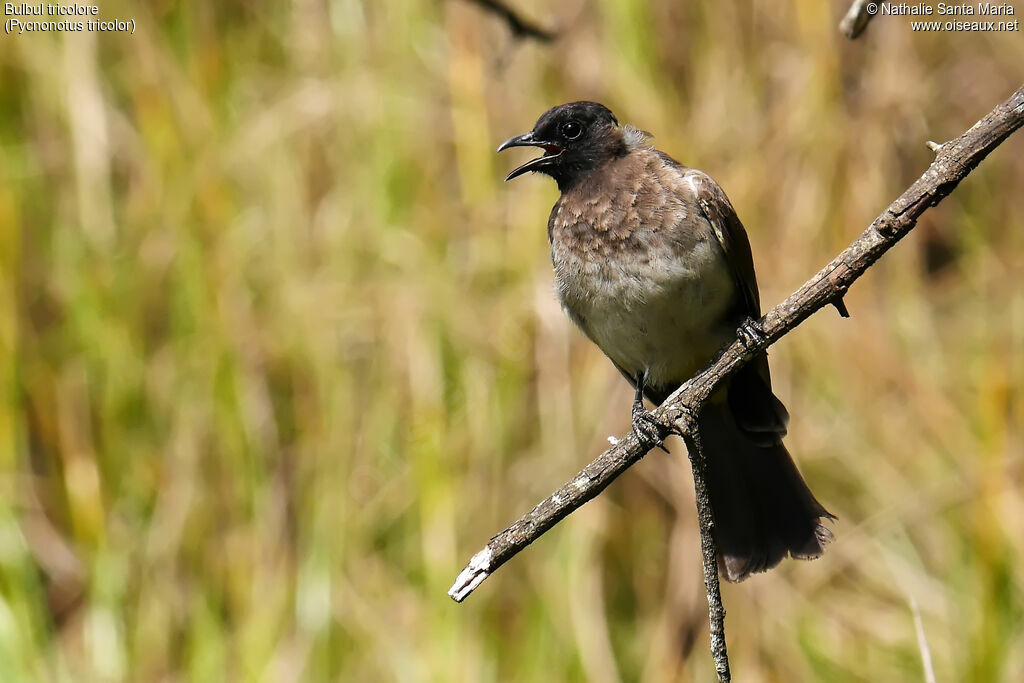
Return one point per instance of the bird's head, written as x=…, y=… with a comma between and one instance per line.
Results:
x=576, y=138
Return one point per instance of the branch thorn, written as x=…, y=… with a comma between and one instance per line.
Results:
x=841, y=307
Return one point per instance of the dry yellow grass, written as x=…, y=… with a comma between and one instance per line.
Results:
x=278, y=349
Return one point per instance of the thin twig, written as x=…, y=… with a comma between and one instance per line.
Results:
x=709, y=553
x=954, y=160
x=521, y=28
x=858, y=16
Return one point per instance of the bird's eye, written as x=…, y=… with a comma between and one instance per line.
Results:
x=572, y=129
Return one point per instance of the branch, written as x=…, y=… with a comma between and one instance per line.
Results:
x=521, y=28
x=708, y=553
x=953, y=162
x=858, y=16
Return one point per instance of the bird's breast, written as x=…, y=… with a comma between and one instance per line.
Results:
x=653, y=294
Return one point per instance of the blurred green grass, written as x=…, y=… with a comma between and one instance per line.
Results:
x=280, y=350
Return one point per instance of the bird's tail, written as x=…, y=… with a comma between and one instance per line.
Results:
x=762, y=508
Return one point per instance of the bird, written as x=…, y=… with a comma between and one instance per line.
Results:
x=652, y=264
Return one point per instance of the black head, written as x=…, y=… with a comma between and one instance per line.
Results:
x=575, y=137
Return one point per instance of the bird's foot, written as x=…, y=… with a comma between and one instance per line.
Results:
x=651, y=429
x=750, y=333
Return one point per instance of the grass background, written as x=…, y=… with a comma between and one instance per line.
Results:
x=279, y=350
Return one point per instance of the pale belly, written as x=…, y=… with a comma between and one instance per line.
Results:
x=666, y=319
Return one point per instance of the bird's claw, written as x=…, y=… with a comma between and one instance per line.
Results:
x=652, y=429
x=750, y=333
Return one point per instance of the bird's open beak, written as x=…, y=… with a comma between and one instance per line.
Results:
x=551, y=152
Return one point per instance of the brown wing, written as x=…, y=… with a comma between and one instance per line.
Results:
x=718, y=211
x=756, y=409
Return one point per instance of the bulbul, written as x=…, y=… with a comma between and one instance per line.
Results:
x=653, y=265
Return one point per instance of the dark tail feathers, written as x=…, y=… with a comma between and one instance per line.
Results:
x=763, y=509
